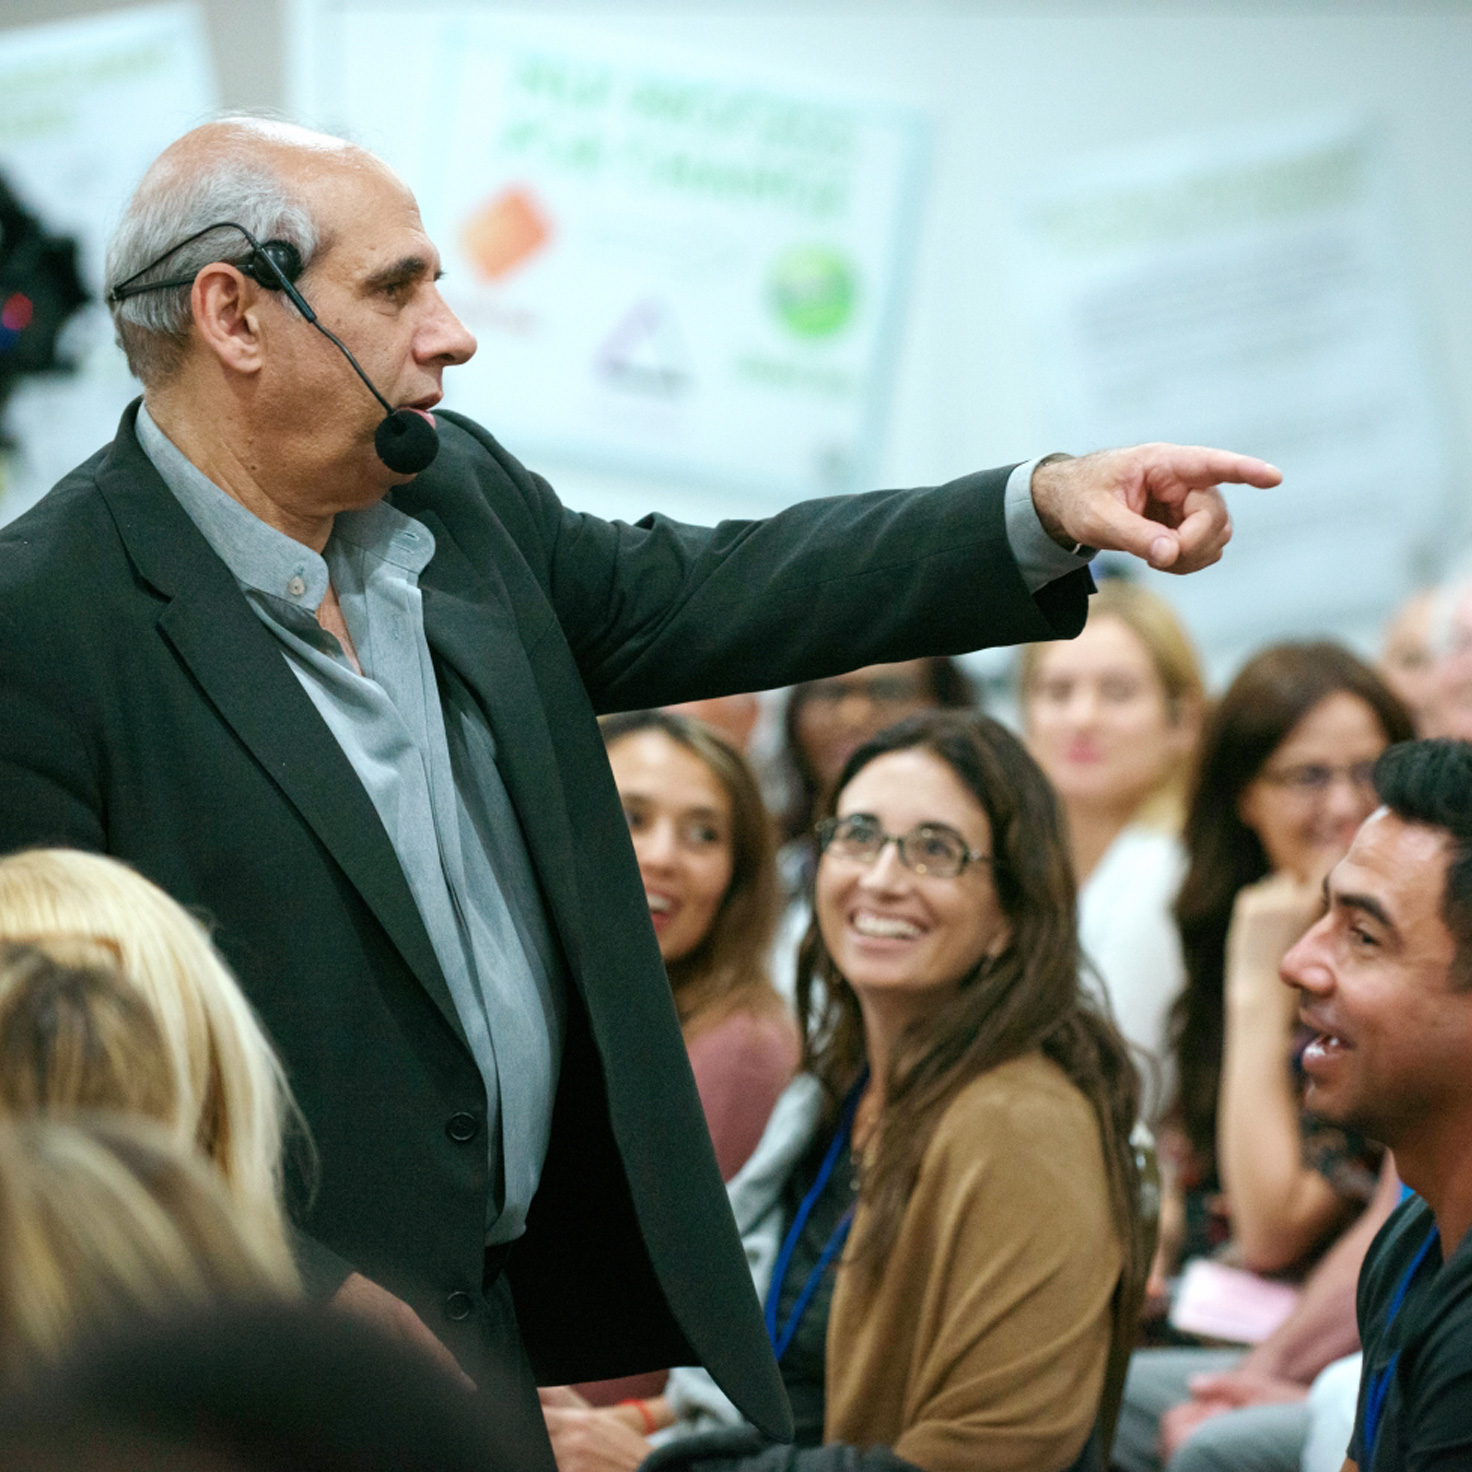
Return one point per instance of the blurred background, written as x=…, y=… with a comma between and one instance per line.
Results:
x=721, y=257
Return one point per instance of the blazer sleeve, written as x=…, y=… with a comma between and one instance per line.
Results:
x=660, y=611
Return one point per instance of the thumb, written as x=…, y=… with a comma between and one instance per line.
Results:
x=1123, y=530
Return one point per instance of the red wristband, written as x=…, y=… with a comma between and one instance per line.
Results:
x=644, y=1414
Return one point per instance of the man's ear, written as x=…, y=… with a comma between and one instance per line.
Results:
x=225, y=304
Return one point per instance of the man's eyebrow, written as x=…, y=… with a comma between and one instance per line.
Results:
x=399, y=273
x=1369, y=905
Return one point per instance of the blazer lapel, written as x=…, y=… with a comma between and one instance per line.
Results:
x=469, y=622
x=241, y=670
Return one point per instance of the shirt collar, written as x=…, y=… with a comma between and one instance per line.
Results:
x=264, y=559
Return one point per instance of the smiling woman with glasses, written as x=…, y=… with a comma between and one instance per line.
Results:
x=942, y=1216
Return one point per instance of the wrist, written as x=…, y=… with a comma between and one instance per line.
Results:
x=643, y=1419
x=1047, y=497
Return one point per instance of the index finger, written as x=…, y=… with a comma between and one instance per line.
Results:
x=1198, y=465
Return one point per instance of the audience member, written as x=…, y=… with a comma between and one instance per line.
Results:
x=959, y=1141
x=1281, y=784
x=1407, y=660
x=1449, y=698
x=107, y=1221
x=826, y=721
x=76, y=1036
x=1113, y=718
x=1384, y=981
x=252, y=1387
x=229, y=1096
x=704, y=845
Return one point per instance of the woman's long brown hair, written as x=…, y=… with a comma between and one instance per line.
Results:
x=728, y=969
x=1031, y=997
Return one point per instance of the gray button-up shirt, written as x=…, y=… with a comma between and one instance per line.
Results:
x=422, y=749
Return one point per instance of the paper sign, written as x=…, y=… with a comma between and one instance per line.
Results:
x=672, y=270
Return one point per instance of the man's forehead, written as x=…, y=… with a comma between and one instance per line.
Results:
x=368, y=215
x=1401, y=864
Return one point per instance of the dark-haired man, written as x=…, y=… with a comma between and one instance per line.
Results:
x=1386, y=979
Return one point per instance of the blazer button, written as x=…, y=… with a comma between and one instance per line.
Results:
x=458, y=1306
x=462, y=1128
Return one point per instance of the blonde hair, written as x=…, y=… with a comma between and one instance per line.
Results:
x=1172, y=656
x=75, y=1035
x=108, y=1218
x=232, y=1101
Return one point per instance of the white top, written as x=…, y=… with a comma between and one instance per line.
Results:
x=1127, y=931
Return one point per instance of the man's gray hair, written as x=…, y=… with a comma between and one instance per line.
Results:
x=153, y=328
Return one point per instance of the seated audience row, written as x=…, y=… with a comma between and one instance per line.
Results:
x=944, y=1210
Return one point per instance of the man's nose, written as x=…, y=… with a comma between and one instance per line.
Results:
x=1306, y=964
x=445, y=338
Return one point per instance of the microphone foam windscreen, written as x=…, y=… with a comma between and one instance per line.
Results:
x=406, y=442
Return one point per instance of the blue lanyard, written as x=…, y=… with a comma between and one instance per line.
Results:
x=831, y=1248
x=1379, y=1386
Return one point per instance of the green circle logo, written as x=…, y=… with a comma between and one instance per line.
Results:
x=812, y=289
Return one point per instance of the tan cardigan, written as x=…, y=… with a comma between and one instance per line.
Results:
x=981, y=1346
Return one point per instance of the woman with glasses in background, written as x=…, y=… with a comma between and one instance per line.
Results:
x=824, y=723
x=942, y=1215
x=1282, y=784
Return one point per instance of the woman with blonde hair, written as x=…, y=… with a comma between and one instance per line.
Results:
x=1113, y=718
x=230, y=1099
x=109, y=1219
x=75, y=1035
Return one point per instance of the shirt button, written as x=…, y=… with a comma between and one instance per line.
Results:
x=296, y=587
x=458, y=1306
x=462, y=1127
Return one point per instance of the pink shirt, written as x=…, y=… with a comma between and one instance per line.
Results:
x=741, y=1065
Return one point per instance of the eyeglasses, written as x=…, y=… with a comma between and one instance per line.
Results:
x=1314, y=779
x=931, y=849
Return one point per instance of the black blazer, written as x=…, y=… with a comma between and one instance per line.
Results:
x=146, y=713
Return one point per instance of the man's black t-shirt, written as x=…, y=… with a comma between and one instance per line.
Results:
x=1415, y=1316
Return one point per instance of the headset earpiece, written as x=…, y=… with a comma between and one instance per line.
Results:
x=280, y=253
x=406, y=441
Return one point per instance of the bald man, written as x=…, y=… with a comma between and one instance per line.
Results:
x=348, y=712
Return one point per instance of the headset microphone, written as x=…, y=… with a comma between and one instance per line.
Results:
x=406, y=440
